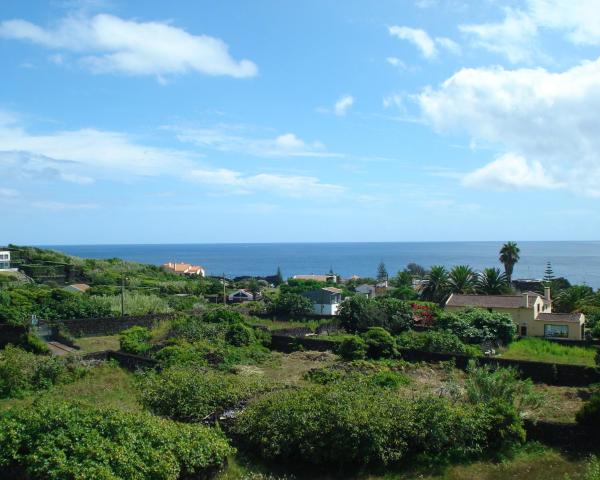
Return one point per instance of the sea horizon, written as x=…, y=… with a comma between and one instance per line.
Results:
x=578, y=261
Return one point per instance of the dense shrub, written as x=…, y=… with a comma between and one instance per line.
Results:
x=239, y=335
x=352, y=348
x=479, y=325
x=63, y=441
x=192, y=329
x=23, y=372
x=380, y=343
x=222, y=315
x=360, y=313
x=291, y=305
x=135, y=340
x=589, y=415
x=437, y=342
x=191, y=393
x=346, y=424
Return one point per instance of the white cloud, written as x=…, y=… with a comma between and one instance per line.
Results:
x=550, y=120
x=343, y=104
x=8, y=192
x=232, y=138
x=513, y=38
x=395, y=62
x=510, y=171
x=580, y=19
x=295, y=186
x=393, y=100
x=80, y=156
x=449, y=45
x=421, y=39
x=57, y=206
x=109, y=44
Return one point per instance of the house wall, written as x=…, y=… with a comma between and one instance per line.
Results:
x=526, y=316
x=325, y=308
x=536, y=329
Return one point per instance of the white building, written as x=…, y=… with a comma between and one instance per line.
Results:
x=326, y=301
x=4, y=260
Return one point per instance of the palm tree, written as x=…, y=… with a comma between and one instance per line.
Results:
x=492, y=282
x=509, y=255
x=435, y=286
x=462, y=279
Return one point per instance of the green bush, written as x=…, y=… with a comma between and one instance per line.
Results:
x=223, y=315
x=32, y=343
x=589, y=414
x=291, y=305
x=239, y=335
x=352, y=348
x=479, y=325
x=23, y=372
x=135, y=340
x=191, y=394
x=359, y=313
x=342, y=424
x=380, y=343
x=435, y=341
x=67, y=441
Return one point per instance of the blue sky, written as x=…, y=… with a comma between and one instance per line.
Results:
x=268, y=121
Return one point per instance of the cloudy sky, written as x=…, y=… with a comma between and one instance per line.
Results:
x=320, y=120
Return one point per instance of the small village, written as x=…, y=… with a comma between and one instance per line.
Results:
x=217, y=355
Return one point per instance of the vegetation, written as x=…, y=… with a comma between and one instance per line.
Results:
x=462, y=279
x=191, y=394
x=358, y=313
x=135, y=340
x=59, y=440
x=476, y=325
x=540, y=350
x=509, y=256
x=344, y=424
x=289, y=304
x=353, y=348
x=23, y=372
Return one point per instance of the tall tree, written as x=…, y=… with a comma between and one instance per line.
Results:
x=548, y=273
x=509, y=256
x=382, y=274
x=278, y=277
x=462, y=279
x=492, y=282
x=435, y=286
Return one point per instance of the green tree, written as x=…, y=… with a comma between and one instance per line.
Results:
x=435, y=288
x=462, y=279
x=278, y=277
x=548, y=274
x=569, y=299
x=380, y=344
x=416, y=270
x=492, y=282
x=291, y=304
x=509, y=256
x=382, y=274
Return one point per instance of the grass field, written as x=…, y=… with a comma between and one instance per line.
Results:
x=97, y=344
x=532, y=462
x=105, y=386
x=540, y=350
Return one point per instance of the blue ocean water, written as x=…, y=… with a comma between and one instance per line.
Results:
x=577, y=261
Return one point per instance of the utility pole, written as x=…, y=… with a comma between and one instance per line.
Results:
x=224, y=291
x=122, y=295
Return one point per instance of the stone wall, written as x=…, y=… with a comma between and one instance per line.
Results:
x=87, y=327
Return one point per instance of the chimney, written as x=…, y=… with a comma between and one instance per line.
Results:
x=547, y=293
x=525, y=300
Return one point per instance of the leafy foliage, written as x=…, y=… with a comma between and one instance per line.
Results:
x=435, y=288
x=462, y=279
x=291, y=305
x=479, y=325
x=589, y=415
x=359, y=313
x=380, y=343
x=352, y=348
x=491, y=281
x=509, y=256
x=343, y=424
x=23, y=372
x=135, y=340
x=190, y=393
x=60, y=441
x=436, y=341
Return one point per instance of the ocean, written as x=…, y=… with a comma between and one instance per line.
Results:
x=577, y=261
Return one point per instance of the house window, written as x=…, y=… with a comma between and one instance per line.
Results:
x=556, y=331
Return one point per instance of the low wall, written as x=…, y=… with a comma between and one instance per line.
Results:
x=562, y=435
x=549, y=373
x=12, y=335
x=87, y=327
x=126, y=360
